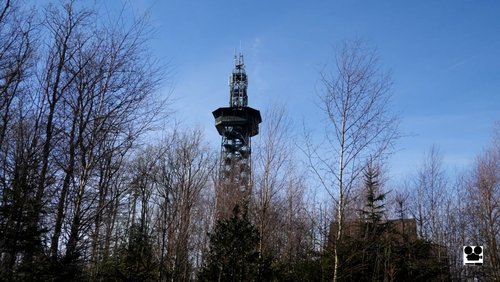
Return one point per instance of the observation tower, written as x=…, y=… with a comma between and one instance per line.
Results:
x=236, y=124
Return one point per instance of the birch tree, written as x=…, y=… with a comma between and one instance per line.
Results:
x=355, y=101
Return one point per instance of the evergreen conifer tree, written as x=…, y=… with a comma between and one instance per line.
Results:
x=233, y=254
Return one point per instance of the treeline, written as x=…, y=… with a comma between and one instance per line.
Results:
x=86, y=196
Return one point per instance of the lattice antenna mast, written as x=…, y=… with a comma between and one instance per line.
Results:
x=238, y=83
x=236, y=124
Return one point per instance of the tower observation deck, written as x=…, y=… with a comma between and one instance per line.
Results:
x=236, y=124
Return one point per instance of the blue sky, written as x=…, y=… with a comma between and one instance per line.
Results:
x=444, y=57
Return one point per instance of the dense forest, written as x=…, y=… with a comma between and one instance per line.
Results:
x=86, y=194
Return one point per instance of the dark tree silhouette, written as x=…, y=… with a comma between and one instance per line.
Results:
x=233, y=254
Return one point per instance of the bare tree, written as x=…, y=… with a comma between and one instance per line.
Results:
x=279, y=207
x=484, y=205
x=273, y=158
x=429, y=196
x=99, y=85
x=181, y=174
x=455, y=224
x=16, y=59
x=67, y=122
x=297, y=235
x=17, y=124
x=355, y=101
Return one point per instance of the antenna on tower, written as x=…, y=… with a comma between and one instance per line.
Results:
x=238, y=59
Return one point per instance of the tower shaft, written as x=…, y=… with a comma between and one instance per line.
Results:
x=236, y=124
